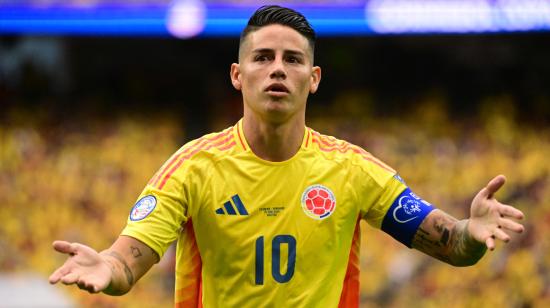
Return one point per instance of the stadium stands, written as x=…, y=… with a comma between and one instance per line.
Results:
x=77, y=180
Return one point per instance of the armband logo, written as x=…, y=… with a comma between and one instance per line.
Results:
x=405, y=216
x=410, y=205
x=143, y=208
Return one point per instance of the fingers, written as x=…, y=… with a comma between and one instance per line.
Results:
x=501, y=235
x=70, y=278
x=66, y=277
x=60, y=272
x=90, y=287
x=510, y=211
x=490, y=242
x=63, y=271
x=494, y=185
x=79, y=268
x=510, y=225
x=81, y=282
x=64, y=247
x=498, y=234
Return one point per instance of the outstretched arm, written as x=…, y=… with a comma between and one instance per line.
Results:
x=464, y=242
x=113, y=271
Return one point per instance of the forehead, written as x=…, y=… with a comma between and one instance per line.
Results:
x=276, y=37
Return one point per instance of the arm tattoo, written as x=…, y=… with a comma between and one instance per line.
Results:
x=135, y=252
x=441, y=225
x=447, y=239
x=424, y=242
x=127, y=271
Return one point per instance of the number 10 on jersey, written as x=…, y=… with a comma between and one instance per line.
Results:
x=276, y=244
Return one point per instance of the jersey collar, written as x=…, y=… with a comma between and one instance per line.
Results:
x=243, y=144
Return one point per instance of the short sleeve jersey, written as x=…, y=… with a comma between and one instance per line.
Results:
x=255, y=233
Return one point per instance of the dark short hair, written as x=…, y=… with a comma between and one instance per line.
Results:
x=274, y=14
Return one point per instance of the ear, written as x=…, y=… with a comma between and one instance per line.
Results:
x=235, y=75
x=315, y=79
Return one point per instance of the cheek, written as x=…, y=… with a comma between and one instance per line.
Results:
x=250, y=79
x=247, y=85
x=304, y=81
x=250, y=86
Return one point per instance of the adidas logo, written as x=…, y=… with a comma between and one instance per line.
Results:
x=230, y=210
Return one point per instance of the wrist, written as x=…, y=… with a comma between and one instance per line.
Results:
x=469, y=239
x=115, y=286
x=122, y=278
x=467, y=249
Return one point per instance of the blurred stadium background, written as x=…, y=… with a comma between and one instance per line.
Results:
x=96, y=94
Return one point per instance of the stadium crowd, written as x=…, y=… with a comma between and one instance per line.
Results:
x=77, y=180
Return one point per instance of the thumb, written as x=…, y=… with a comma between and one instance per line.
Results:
x=493, y=186
x=65, y=247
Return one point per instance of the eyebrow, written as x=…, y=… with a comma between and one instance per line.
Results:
x=287, y=51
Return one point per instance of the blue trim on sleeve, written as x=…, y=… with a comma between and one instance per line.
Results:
x=405, y=216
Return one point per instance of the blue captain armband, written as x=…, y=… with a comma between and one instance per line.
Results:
x=405, y=216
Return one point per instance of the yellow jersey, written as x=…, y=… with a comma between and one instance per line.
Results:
x=255, y=233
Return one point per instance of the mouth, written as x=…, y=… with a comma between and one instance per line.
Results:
x=277, y=89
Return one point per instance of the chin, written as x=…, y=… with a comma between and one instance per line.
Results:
x=277, y=114
x=274, y=110
x=277, y=105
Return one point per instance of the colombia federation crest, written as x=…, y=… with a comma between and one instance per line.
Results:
x=318, y=202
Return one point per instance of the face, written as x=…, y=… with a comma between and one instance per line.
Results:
x=275, y=73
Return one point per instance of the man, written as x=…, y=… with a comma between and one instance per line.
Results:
x=266, y=213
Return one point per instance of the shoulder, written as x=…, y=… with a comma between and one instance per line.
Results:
x=197, y=154
x=214, y=143
x=330, y=144
x=348, y=154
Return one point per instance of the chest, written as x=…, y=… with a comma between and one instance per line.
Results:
x=311, y=201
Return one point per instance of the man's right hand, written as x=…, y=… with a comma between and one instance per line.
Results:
x=85, y=267
x=113, y=271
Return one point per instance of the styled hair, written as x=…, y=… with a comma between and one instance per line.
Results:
x=274, y=14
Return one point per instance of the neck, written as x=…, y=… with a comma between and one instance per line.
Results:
x=274, y=141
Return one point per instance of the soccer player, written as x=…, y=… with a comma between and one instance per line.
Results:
x=267, y=212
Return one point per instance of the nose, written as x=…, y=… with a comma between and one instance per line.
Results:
x=278, y=70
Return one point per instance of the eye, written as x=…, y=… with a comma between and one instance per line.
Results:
x=293, y=59
x=261, y=58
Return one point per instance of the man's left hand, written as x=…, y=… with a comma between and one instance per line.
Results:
x=490, y=219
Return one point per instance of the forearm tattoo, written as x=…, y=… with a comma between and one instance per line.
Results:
x=424, y=241
x=127, y=271
x=448, y=240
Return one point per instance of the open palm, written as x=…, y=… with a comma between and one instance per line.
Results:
x=490, y=219
x=85, y=267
